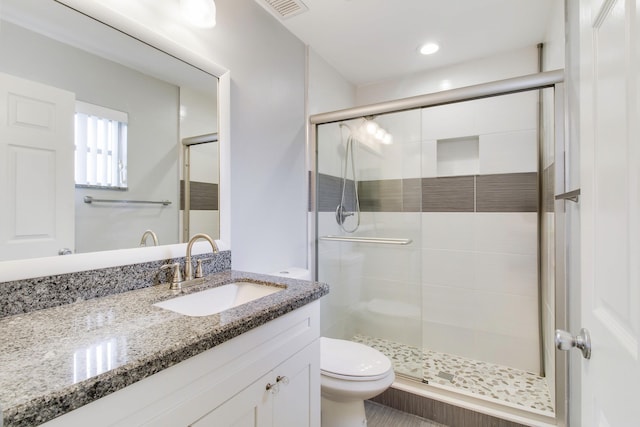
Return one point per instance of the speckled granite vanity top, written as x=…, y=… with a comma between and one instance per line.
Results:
x=58, y=359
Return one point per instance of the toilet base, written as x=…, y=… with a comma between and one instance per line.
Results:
x=343, y=414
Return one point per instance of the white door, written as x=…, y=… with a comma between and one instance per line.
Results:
x=37, y=160
x=610, y=210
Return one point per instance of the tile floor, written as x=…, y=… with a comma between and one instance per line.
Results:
x=484, y=380
x=382, y=416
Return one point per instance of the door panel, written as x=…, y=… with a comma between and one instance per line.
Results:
x=610, y=211
x=37, y=152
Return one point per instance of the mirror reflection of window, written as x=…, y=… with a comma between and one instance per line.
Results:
x=100, y=147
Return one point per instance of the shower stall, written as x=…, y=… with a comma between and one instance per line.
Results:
x=434, y=228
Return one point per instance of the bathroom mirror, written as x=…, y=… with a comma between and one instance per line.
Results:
x=47, y=45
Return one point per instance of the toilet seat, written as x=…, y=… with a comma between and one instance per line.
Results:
x=352, y=361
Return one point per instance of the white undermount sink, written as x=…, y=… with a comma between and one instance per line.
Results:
x=215, y=300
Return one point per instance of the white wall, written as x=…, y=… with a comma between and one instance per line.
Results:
x=328, y=90
x=268, y=173
x=510, y=64
x=199, y=112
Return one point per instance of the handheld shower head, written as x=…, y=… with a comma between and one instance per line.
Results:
x=341, y=212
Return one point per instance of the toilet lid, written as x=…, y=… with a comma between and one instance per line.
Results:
x=351, y=359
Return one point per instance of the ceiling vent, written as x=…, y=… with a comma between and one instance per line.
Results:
x=284, y=8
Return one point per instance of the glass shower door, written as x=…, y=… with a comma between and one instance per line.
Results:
x=369, y=229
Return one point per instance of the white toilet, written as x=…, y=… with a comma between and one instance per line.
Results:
x=350, y=373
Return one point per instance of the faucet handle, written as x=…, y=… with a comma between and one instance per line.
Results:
x=176, y=280
x=198, y=269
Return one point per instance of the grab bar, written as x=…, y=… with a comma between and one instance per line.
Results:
x=381, y=240
x=573, y=196
x=89, y=199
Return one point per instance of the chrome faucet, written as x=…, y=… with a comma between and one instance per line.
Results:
x=147, y=233
x=188, y=274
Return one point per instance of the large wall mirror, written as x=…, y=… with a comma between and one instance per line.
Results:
x=59, y=67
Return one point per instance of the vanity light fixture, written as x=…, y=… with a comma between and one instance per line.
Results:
x=429, y=48
x=372, y=133
x=199, y=13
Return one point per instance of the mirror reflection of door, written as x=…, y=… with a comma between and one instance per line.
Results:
x=199, y=186
x=199, y=206
x=36, y=149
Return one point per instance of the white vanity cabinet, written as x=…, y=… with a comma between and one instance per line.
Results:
x=280, y=398
x=268, y=376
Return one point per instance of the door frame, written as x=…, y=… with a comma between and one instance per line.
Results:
x=562, y=236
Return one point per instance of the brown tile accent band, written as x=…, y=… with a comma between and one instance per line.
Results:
x=439, y=412
x=509, y=192
x=381, y=196
x=330, y=192
x=514, y=192
x=448, y=194
x=204, y=196
x=412, y=195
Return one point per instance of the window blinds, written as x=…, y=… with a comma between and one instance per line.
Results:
x=101, y=146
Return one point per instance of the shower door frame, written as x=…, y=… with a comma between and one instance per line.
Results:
x=543, y=80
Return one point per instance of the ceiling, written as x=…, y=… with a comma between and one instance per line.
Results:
x=376, y=40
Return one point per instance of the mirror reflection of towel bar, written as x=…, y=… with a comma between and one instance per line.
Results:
x=89, y=199
x=381, y=240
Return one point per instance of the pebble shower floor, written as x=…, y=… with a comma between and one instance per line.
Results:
x=485, y=380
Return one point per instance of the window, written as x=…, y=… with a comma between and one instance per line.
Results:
x=101, y=147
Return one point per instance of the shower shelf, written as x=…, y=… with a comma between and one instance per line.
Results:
x=381, y=240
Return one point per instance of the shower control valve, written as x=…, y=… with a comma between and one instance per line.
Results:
x=342, y=214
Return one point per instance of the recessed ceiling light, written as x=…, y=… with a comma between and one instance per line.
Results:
x=429, y=48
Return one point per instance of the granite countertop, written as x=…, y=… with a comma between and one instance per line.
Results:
x=58, y=359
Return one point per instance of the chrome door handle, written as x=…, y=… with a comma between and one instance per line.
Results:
x=565, y=341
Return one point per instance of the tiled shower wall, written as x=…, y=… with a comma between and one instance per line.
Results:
x=460, y=181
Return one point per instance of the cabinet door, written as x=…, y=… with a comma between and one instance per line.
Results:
x=297, y=402
x=252, y=407
x=292, y=400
